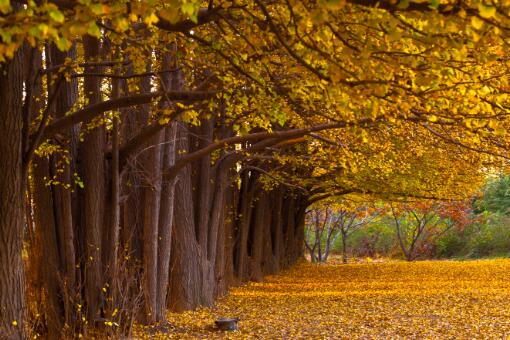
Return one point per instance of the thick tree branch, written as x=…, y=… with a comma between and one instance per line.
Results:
x=332, y=193
x=425, y=6
x=275, y=137
x=88, y=113
x=462, y=145
x=136, y=142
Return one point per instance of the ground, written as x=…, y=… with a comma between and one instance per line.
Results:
x=430, y=299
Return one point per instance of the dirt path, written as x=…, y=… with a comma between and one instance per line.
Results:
x=433, y=299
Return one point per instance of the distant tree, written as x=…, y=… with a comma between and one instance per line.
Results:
x=417, y=225
x=326, y=224
x=495, y=196
x=318, y=222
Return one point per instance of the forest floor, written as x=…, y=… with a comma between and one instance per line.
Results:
x=429, y=299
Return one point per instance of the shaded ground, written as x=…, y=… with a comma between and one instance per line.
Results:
x=434, y=299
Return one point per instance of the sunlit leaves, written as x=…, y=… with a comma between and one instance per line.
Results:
x=42, y=22
x=55, y=14
x=486, y=11
x=476, y=22
x=431, y=299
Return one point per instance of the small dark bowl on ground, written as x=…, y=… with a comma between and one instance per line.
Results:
x=227, y=324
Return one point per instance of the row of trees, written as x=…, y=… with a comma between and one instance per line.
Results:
x=126, y=218
x=416, y=226
x=153, y=153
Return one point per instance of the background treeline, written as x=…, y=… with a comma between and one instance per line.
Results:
x=475, y=229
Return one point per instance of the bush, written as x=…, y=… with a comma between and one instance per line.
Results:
x=373, y=240
x=450, y=245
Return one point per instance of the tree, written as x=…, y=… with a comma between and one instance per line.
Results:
x=352, y=221
x=495, y=196
x=328, y=221
x=417, y=224
x=12, y=310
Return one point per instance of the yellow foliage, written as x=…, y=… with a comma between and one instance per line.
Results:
x=430, y=299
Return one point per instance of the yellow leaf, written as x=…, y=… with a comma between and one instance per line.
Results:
x=336, y=4
x=476, y=22
x=121, y=24
x=486, y=11
x=170, y=14
x=151, y=19
x=433, y=118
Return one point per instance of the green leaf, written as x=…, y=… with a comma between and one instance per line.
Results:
x=188, y=9
x=63, y=44
x=6, y=36
x=403, y=4
x=170, y=14
x=56, y=15
x=5, y=6
x=97, y=9
x=94, y=30
x=434, y=4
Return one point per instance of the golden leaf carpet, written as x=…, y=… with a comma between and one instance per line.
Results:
x=429, y=299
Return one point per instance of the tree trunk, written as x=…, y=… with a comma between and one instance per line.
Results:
x=186, y=259
x=203, y=184
x=268, y=263
x=277, y=229
x=290, y=230
x=229, y=220
x=66, y=98
x=165, y=223
x=93, y=170
x=248, y=188
x=257, y=237
x=12, y=280
x=44, y=211
x=152, y=199
x=170, y=81
x=344, y=247
x=111, y=251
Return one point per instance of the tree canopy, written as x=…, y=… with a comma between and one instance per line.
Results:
x=199, y=132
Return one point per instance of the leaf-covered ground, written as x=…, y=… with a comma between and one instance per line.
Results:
x=433, y=299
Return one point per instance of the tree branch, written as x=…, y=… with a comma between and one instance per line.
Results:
x=393, y=6
x=88, y=113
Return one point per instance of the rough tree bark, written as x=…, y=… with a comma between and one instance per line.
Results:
x=166, y=216
x=257, y=236
x=44, y=212
x=186, y=258
x=12, y=283
x=170, y=81
x=66, y=98
x=152, y=199
x=93, y=174
x=249, y=187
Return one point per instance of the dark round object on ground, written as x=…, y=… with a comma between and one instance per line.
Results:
x=227, y=324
